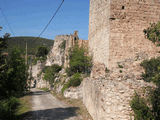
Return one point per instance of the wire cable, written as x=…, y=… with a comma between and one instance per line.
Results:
x=51, y=19
x=9, y=26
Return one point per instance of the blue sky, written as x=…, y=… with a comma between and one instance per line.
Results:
x=28, y=17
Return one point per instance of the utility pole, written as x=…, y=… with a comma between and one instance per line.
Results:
x=26, y=54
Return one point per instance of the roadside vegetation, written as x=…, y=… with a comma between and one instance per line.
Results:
x=13, y=80
x=50, y=73
x=41, y=54
x=148, y=108
x=79, y=63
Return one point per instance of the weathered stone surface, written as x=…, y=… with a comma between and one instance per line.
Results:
x=116, y=29
x=74, y=92
x=59, y=55
x=117, y=41
x=56, y=55
x=108, y=98
x=38, y=77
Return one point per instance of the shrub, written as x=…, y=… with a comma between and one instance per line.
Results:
x=42, y=51
x=152, y=70
x=153, y=33
x=138, y=104
x=74, y=81
x=140, y=108
x=79, y=61
x=50, y=73
x=13, y=79
x=155, y=101
x=8, y=108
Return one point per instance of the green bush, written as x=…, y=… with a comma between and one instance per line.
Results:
x=152, y=70
x=79, y=61
x=152, y=74
x=155, y=101
x=74, y=81
x=50, y=73
x=13, y=77
x=140, y=105
x=8, y=108
x=153, y=33
x=140, y=108
x=42, y=51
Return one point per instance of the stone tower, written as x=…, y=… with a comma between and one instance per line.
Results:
x=116, y=30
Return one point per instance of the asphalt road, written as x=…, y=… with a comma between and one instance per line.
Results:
x=47, y=107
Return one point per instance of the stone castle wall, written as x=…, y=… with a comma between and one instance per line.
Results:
x=128, y=20
x=99, y=31
x=116, y=37
x=116, y=29
x=59, y=55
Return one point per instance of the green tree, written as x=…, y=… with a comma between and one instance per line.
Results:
x=152, y=70
x=42, y=51
x=140, y=108
x=50, y=73
x=153, y=33
x=12, y=81
x=79, y=61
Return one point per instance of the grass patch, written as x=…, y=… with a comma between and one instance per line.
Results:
x=25, y=106
x=45, y=89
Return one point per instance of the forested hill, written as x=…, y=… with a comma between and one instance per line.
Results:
x=32, y=43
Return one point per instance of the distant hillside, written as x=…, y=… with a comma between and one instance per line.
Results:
x=32, y=42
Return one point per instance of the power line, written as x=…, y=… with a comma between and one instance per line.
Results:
x=5, y=18
x=51, y=19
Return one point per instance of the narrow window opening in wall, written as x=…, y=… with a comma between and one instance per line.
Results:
x=123, y=7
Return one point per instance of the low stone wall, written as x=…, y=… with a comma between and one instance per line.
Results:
x=108, y=98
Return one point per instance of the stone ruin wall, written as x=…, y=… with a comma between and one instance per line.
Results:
x=116, y=29
x=56, y=55
x=99, y=31
x=116, y=36
x=128, y=19
x=60, y=56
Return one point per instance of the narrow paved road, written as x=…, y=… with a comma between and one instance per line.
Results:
x=47, y=107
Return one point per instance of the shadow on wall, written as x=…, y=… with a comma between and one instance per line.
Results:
x=51, y=114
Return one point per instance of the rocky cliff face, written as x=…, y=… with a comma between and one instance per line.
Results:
x=59, y=54
x=56, y=55
x=38, y=76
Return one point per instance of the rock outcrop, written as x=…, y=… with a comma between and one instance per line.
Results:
x=59, y=55
x=61, y=48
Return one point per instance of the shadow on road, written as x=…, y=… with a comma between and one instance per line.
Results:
x=38, y=93
x=59, y=114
